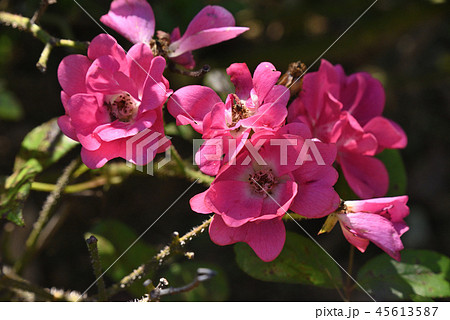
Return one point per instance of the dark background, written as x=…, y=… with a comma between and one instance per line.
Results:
x=403, y=43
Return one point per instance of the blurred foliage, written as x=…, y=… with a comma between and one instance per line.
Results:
x=114, y=237
x=180, y=274
x=301, y=261
x=42, y=147
x=421, y=274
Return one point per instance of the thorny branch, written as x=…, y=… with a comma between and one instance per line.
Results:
x=22, y=23
x=166, y=252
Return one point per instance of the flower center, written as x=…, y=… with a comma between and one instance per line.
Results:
x=122, y=107
x=263, y=181
x=160, y=44
x=238, y=110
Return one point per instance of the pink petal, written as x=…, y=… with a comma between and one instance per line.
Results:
x=388, y=133
x=105, y=45
x=279, y=201
x=235, y=201
x=375, y=228
x=367, y=176
x=139, y=60
x=198, y=204
x=66, y=127
x=392, y=208
x=296, y=128
x=142, y=148
x=241, y=77
x=215, y=123
x=87, y=112
x=317, y=85
x=363, y=96
x=203, y=38
x=190, y=104
x=72, y=74
x=133, y=19
x=266, y=238
x=360, y=243
x=89, y=141
x=269, y=116
x=100, y=76
x=264, y=78
x=186, y=60
x=315, y=200
x=354, y=139
x=107, y=151
x=155, y=91
x=210, y=17
x=209, y=156
x=117, y=129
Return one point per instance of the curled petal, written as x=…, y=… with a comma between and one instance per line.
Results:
x=72, y=74
x=264, y=78
x=241, y=77
x=190, y=104
x=266, y=238
x=388, y=133
x=134, y=19
x=366, y=176
x=375, y=228
x=202, y=39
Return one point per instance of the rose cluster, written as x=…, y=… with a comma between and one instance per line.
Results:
x=271, y=155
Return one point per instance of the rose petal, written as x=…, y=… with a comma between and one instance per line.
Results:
x=134, y=19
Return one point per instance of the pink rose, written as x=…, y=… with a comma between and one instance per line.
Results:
x=377, y=220
x=251, y=195
x=257, y=104
x=110, y=97
x=346, y=110
x=134, y=19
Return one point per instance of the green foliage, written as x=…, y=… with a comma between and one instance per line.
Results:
x=10, y=107
x=181, y=274
x=392, y=159
x=42, y=147
x=301, y=261
x=114, y=237
x=420, y=275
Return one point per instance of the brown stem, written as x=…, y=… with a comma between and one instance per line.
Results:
x=42, y=8
x=157, y=260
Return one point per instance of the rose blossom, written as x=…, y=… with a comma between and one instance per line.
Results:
x=134, y=19
x=257, y=104
x=378, y=220
x=109, y=97
x=346, y=110
x=250, y=196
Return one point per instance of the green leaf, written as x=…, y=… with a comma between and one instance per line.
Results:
x=10, y=108
x=45, y=143
x=181, y=274
x=421, y=273
x=392, y=159
x=418, y=298
x=301, y=261
x=42, y=147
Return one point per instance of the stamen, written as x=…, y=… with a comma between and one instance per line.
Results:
x=122, y=107
x=238, y=110
x=263, y=181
